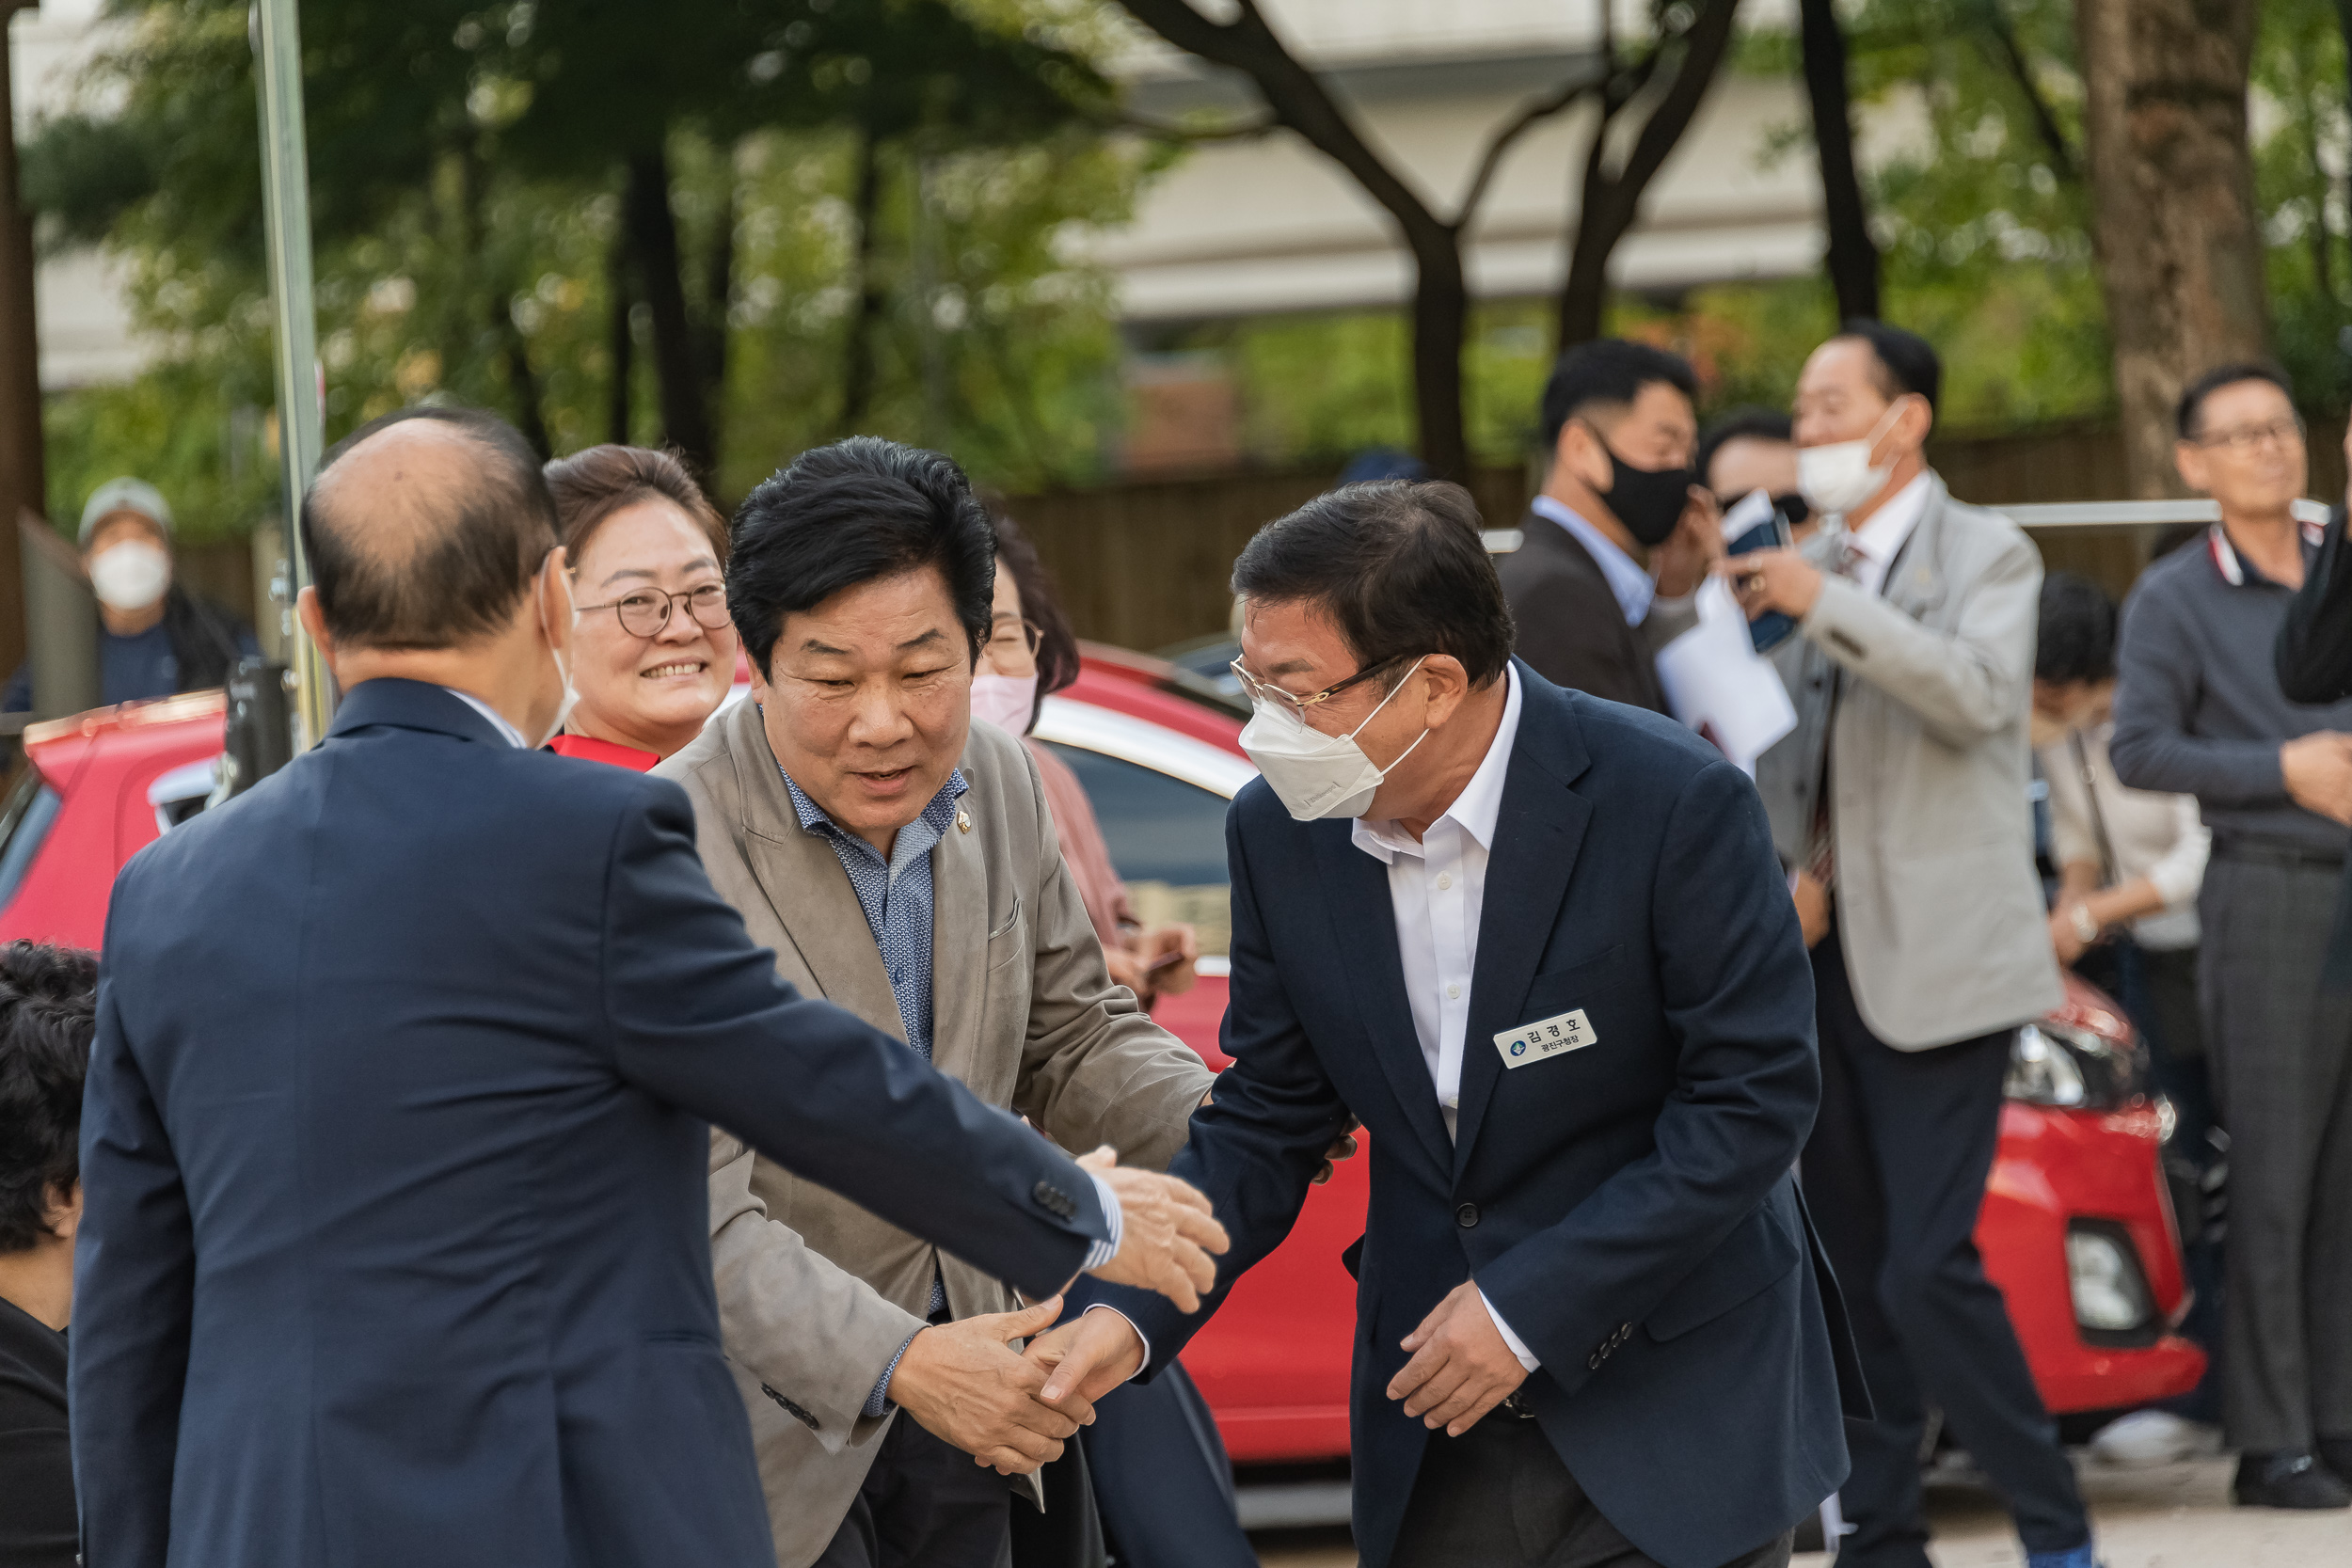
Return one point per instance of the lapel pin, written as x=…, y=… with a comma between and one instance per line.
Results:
x=963, y=820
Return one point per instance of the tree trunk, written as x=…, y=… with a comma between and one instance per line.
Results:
x=1584, y=292
x=857, y=361
x=2343, y=25
x=710, y=336
x=1854, y=257
x=522, y=381
x=22, y=481
x=1610, y=202
x=2172, y=191
x=1299, y=100
x=1441, y=323
x=620, y=340
x=652, y=230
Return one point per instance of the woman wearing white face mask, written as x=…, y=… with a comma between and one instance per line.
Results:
x=155, y=638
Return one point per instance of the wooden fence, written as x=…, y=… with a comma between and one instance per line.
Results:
x=1144, y=564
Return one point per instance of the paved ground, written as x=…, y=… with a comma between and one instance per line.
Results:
x=2173, y=1516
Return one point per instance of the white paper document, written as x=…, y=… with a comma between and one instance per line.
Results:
x=1719, y=685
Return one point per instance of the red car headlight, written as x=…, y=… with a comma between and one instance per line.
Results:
x=2071, y=1067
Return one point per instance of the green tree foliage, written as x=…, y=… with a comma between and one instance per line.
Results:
x=1979, y=212
x=2299, y=183
x=1985, y=223
x=469, y=167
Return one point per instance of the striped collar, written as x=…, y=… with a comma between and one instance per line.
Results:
x=2233, y=570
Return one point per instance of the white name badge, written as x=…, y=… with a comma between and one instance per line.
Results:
x=1545, y=1037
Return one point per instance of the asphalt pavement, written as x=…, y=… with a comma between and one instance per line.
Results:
x=2167, y=1516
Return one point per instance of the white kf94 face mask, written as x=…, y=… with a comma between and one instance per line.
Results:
x=1313, y=774
x=130, y=575
x=1841, y=476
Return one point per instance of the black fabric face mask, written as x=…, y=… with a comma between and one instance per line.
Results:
x=1648, y=501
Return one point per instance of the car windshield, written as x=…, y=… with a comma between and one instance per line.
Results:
x=26, y=819
x=1166, y=841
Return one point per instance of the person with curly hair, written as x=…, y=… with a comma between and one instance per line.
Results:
x=48, y=1013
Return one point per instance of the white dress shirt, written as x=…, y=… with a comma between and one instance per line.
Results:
x=1876, y=543
x=1437, y=886
x=498, y=720
x=1627, y=578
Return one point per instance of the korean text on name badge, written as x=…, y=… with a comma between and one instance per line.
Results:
x=1545, y=1037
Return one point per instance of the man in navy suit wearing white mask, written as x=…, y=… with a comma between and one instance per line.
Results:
x=1540, y=945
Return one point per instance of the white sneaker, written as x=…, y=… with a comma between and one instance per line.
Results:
x=2149, y=1438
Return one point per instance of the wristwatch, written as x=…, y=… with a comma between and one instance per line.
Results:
x=2086, y=928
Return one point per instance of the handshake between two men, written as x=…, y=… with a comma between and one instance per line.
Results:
x=966, y=1385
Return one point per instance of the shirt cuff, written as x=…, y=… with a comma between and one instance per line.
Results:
x=877, y=1403
x=1519, y=1346
x=1141, y=1338
x=1104, y=1251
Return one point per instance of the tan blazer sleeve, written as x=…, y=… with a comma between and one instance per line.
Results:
x=816, y=1336
x=1094, y=1068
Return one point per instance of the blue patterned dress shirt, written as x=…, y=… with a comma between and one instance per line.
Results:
x=897, y=896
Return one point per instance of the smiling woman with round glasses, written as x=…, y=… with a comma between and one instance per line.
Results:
x=654, y=651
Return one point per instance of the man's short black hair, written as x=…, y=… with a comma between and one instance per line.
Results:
x=2076, y=637
x=2190, y=413
x=1742, y=424
x=1400, y=567
x=1907, y=362
x=470, y=553
x=852, y=513
x=1608, y=371
x=48, y=1016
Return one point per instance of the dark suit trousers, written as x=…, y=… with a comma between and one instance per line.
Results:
x=2281, y=1051
x=924, y=1505
x=1163, y=1479
x=1498, y=1496
x=1894, y=1174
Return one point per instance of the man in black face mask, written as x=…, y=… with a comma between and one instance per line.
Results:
x=1622, y=532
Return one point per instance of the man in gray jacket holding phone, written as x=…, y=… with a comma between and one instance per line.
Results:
x=1899, y=804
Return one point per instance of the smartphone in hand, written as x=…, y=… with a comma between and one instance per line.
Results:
x=1755, y=523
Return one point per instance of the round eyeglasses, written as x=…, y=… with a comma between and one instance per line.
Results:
x=1011, y=646
x=645, y=612
x=2278, y=433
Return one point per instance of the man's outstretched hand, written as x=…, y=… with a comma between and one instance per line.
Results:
x=1166, y=1232
x=1084, y=1359
x=1461, y=1366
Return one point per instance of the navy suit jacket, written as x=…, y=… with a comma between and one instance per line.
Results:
x=1627, y=1206
x=395, y=1247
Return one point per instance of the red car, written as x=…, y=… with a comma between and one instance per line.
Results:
x=99, y=787
x=2077, y=1226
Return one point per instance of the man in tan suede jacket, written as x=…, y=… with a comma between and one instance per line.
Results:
x=900, y=861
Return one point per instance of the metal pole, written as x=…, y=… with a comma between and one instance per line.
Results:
x=22, y=486
x=286, y=203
